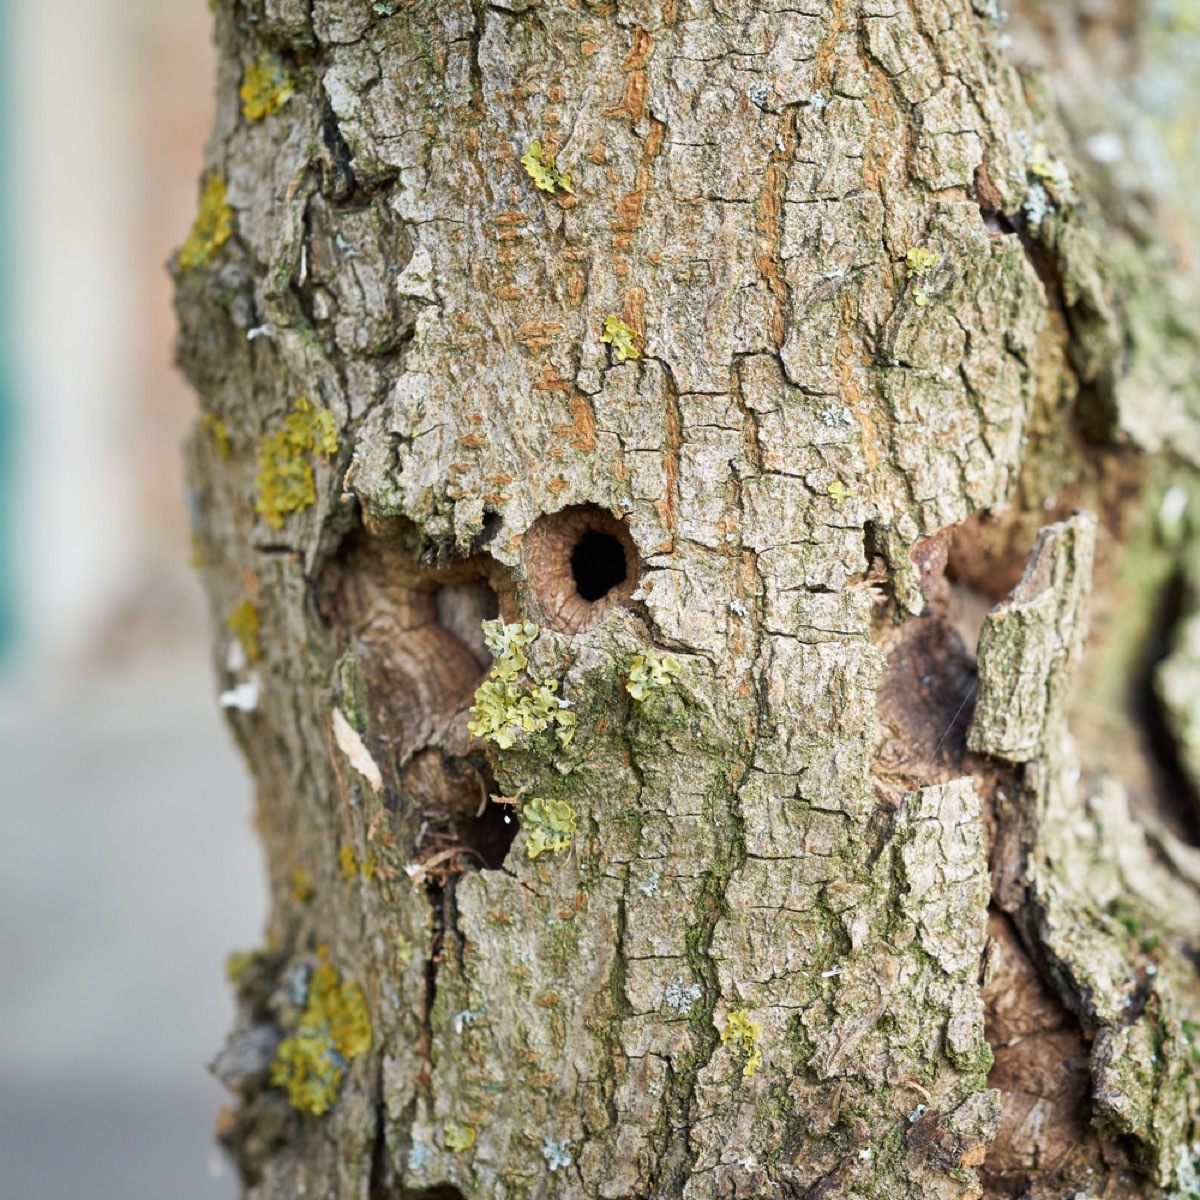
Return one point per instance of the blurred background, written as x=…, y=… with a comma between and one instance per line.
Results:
x=128, y=867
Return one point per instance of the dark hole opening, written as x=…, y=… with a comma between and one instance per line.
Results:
x=598, y=565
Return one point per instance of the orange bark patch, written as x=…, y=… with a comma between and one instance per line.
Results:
x=629, y=211
x=639, y=51
x=770, y=205
x=537, y=335
x=550, y=381
x=666, y=506
x=584, y=427
x=633, y=102
x=635, y=310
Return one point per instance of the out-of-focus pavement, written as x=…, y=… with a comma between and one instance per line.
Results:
x=128, y=869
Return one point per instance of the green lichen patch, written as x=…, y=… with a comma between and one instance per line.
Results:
x=458, y=1137
x=266, y=87
x=551, y=825
x=333, y=1030
x=351, y=868
x=742, y=1034
x=1050, y=187
x=541, y=168
x=218, y=431
x=507, y=707
x=650, y=672
x=919, y=263
x=212, y=227
x=621, y=337
x=243, y=624
x=285, y=475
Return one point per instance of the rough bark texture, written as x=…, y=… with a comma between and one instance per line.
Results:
x=832, y=892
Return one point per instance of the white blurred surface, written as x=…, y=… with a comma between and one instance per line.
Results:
x=127, y=871
x=127, y=865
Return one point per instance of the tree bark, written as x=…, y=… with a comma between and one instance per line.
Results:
x=786, y=384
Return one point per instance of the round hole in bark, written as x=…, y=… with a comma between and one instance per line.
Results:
x=581, y=562
x=598, y=565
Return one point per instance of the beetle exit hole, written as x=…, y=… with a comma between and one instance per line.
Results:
x=581, y=562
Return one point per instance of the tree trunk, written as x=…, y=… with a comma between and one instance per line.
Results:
x=728, y=358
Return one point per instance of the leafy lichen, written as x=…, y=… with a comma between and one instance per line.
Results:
x=650, y=672
x=333, y=1029
x=541, y=169
x=557, y=1153
x=742, y=1034
x=285, y=475
x=266, y=87
x=212, y=227
x=919, y=262
x=621, y=337
x=458, y=1137
x=551, y=825
x=506, y=707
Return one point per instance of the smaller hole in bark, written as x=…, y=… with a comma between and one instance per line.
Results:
x=598, y=565
x=581, y=562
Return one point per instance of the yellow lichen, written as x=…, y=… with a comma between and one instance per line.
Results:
x=459, y=1137
x=285, y=475
x=266, y=88
x=305, y=1066
x=649, y=672
x=551, y=825
x=743, y=1034
x=216, y=428
x=838, y=491
x=237, y=962
x=212, y=227
x=333, y=1030
x=919, y=262
x=404, y=949
x=351, y=867
x=243, y=624
x=302, y=888
x=621, y=337
x=1051, y=171
x=507, y=708
x=541, y=169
